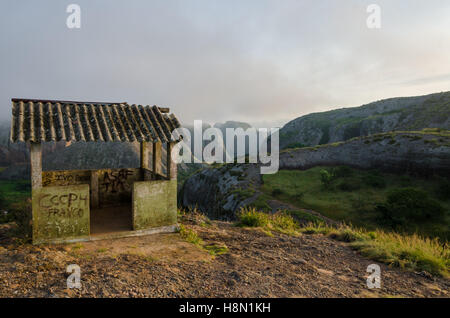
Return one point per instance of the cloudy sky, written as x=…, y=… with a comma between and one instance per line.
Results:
x=262, y=61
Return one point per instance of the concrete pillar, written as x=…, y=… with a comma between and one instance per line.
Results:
x=144, y=155
x=36, y=165
x=94, y=189
x=171, y=165
x=157, y=158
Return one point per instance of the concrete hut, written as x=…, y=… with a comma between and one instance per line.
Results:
x=80, y=205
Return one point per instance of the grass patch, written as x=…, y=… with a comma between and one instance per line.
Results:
x=190, y=235
x=352, y=196
x=279, y=222
x=215, y=249
x=77, y=246
x=13, y=191
x=410, y=252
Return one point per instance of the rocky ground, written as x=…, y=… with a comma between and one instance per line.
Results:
x=164, y=265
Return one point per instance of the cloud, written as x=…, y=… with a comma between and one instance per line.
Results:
x=255, y=61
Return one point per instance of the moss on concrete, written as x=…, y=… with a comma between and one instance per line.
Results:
x=154, y=204
x=60, y=213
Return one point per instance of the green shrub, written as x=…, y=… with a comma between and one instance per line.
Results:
x=405, y=205
x=326, y=177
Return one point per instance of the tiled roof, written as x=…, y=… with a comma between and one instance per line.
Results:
x=43, y=120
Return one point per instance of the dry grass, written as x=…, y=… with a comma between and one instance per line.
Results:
x=278, y=222
x=411, y=252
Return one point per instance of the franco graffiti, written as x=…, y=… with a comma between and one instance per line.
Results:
x=67, y=205
x=60, y=211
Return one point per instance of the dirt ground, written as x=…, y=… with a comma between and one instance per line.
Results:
x=164, y=265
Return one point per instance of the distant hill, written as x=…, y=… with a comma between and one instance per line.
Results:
x=402, y=113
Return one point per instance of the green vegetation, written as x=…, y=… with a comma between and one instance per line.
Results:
x=368, y=199
x=440, y=138
x=279, y=222
x=190, y=235
x=411, y=252
x=13, y=192
x=215, y=249
x=406, y=205
x=295, y=145
x=243, y=193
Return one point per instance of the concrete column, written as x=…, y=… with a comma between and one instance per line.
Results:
x=144, y=155
x=36, y=165
x=171, y=165
x=94, y=190
x=157, y=157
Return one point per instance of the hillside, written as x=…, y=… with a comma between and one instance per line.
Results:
x=403, y=113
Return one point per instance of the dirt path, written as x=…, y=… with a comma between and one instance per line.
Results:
x=164, y=265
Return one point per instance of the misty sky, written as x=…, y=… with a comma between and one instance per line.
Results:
x=263, y=62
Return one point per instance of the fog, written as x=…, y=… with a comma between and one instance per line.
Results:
x=262, y=62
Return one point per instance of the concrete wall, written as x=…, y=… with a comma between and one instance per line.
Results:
x=66, y=177
x=61, y=208
x=60, y=213
x=116, y=185
x=154, y=204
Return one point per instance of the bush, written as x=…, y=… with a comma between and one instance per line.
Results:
x=375, y=181
x=326, y=177
x=407, y=205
